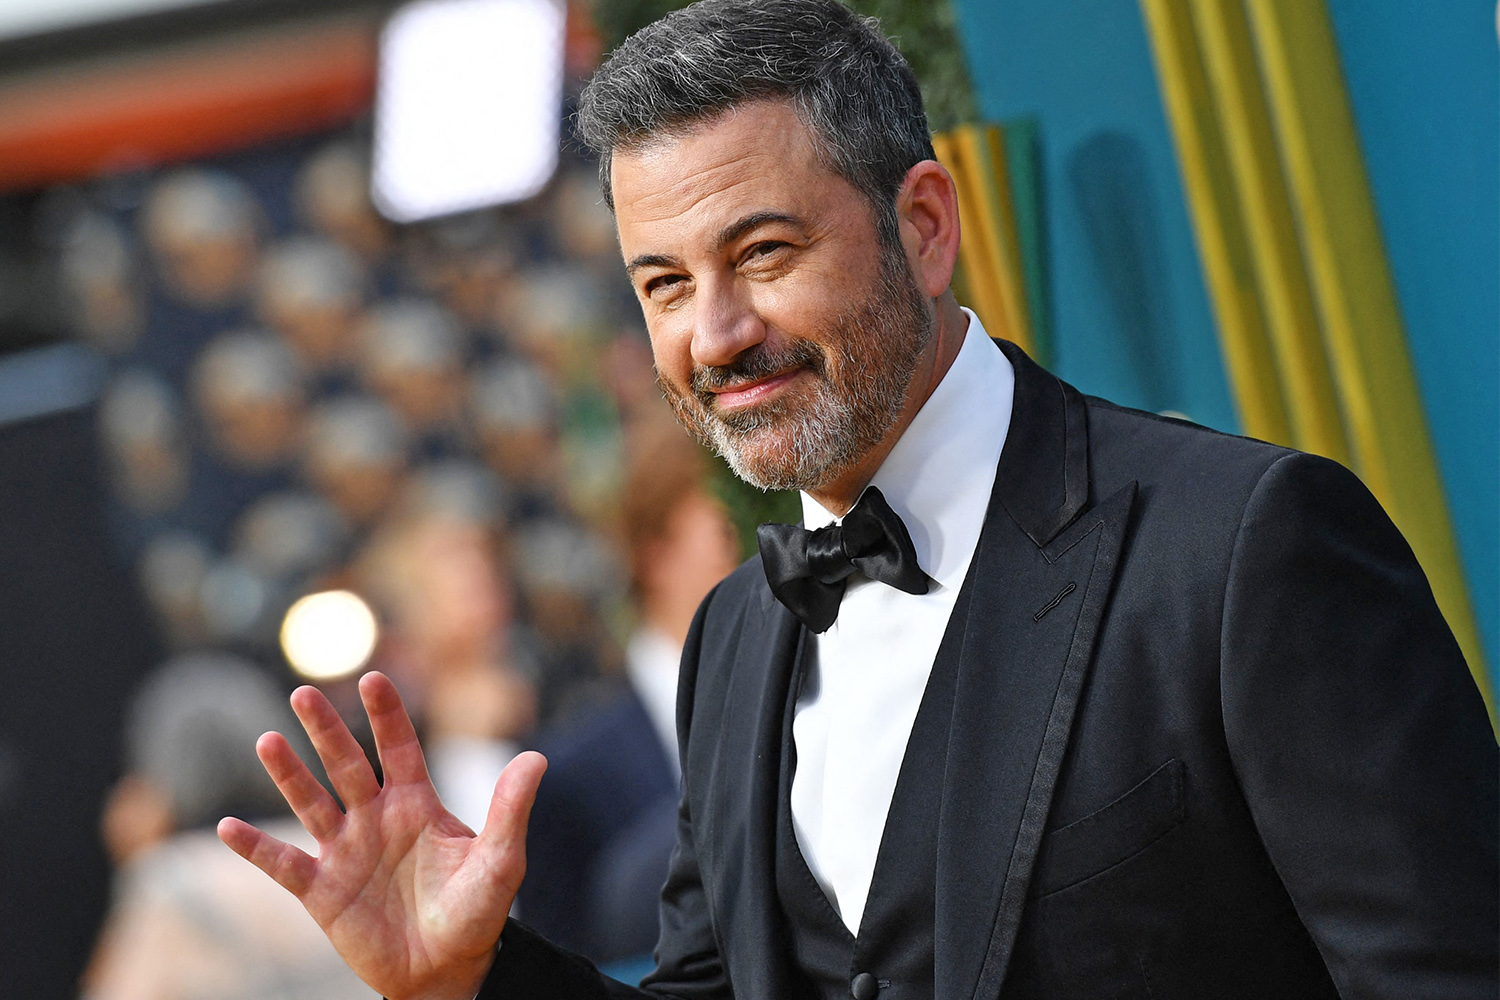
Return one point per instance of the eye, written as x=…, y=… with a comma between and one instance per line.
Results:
x=764, y=249
x=662, y=281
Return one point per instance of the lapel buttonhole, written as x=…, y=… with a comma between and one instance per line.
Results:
x=1054, y=602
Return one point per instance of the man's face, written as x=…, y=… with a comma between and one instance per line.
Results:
x=785, y=333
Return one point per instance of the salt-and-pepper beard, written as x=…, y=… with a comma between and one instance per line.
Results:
x=862, y=370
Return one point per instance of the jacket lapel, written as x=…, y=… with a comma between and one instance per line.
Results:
x=741, y=826
x=1042, y=576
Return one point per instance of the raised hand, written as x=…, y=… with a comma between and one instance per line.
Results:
x=412, y=898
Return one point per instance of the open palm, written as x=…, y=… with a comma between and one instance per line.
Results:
x=412, y=898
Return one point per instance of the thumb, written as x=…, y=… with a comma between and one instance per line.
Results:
x=510, y=806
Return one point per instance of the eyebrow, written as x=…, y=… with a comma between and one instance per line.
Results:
x=726, y=236
x=651, y=260
x=751, y=222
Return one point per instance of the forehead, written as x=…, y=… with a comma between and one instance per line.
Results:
x=756, y=158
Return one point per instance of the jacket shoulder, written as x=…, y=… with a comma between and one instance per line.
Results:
x=1174, y=456
x=746, y=578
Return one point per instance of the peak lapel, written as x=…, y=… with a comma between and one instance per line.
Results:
x=1041, y=579
x=1043, y=477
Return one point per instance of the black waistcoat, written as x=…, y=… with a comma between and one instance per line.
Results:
x=894, y=949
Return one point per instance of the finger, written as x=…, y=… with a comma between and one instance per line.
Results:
x=395, y=738
x=348, y=769
x=510, y=807
x=291, y=868
x=308, y=799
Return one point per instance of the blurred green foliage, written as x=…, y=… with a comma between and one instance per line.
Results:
x=618, y=19
x=749, y=506
x=926, y=32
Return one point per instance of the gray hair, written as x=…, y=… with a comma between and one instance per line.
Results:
x=846, y=81
x=247, y=365
x=191, y=732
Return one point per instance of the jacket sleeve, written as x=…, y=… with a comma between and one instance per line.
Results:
x=688, y=963
x=1360, y=740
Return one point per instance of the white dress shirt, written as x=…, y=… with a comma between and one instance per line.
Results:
x=651, y=662
x=864, y=677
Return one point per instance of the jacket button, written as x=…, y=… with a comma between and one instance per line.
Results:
x=864, y=987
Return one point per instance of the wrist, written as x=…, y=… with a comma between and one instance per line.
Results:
x=462, y=984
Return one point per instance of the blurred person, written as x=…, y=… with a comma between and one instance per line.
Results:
x=1047, y=698
x=412, y=355
x=172, y=567
x=282, y=545
x=555, y=314
x=593, y=461
x=101, y=283
x=251, y=391
x=456, y=487
x=450, y=638
x=630, y=372
x=241, y=605
x=630, y=379
x=289, y=535
x=184, y=925
x=354, y=452
x=332, y=196
x=203, y=229
x=585, y=226
x=143, y=437
x=467, y=261
x=569, y=581
x=513, y=409
x=310, y=291
x=604, y=822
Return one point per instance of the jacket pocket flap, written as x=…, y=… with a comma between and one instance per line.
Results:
x=1108, y=836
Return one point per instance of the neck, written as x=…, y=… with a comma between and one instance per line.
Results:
x=949, y=327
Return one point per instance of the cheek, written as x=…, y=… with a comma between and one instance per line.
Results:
x=808, y=303
x=672, y=352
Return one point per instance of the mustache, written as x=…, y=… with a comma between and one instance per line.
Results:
x=753, y=365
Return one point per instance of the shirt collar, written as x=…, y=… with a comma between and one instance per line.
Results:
x=939, y=475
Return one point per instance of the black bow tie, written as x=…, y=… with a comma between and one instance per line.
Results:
x=807, y=570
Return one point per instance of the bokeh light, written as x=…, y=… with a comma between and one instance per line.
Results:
x=329, y=634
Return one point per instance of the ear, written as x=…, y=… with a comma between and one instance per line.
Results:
x=927, y=210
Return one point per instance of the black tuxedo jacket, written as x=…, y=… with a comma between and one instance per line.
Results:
x=1211, y=737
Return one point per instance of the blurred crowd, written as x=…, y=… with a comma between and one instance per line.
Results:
x=456, y=420
x=294, y=379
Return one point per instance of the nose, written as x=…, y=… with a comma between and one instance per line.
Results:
x=725, y=323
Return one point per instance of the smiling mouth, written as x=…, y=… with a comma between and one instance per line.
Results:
x=747, y=394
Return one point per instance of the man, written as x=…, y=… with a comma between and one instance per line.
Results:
x=1076, y=701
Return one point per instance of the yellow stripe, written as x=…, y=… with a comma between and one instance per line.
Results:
x=990, y=252
x=973, y=253
x=1223, y=245
x=1355, y=297
x=1281, y=274
x=984, y=148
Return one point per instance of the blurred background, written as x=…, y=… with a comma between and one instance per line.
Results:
x=316, y=356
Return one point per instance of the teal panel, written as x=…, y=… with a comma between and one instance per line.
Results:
x=1130, y=314
x=1424, y=80
x=1131, y=318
